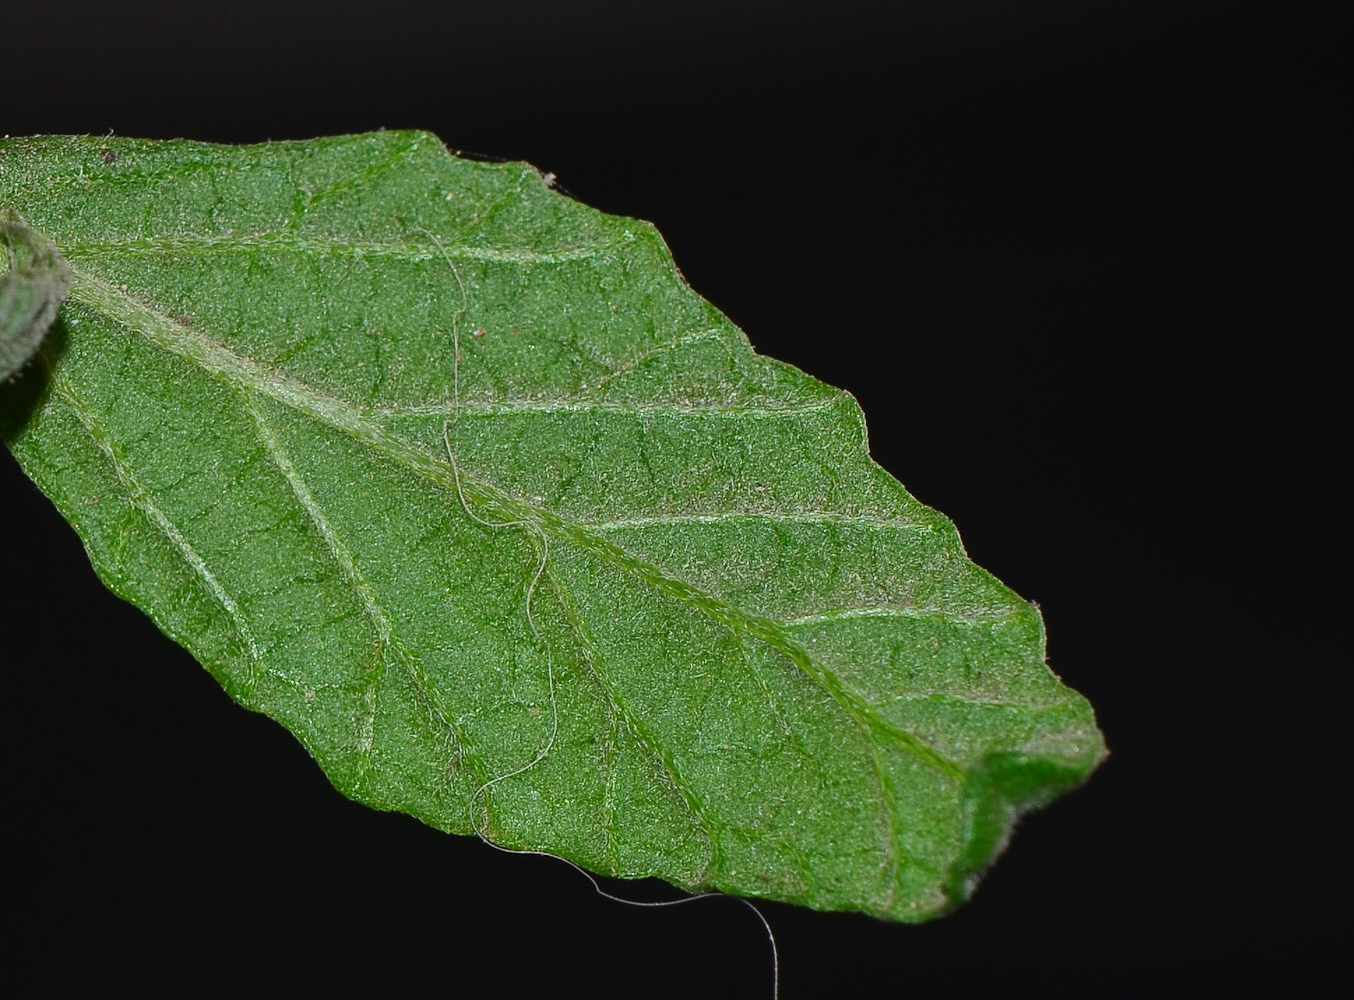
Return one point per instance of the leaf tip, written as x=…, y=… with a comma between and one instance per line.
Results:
x=997, y=793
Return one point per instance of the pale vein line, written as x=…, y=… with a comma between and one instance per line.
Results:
x=657, y=352
x=337, y=550
x=970, y=699
x=807, y=517
x=508, y=407
x=896, y=611
x=227, y=245
x=638, y=731
x=220, y=361
x=140, y=498
x=358, y=180
x=340, y=554
x=279, y=457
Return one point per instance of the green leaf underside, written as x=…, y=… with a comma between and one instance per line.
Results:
x=774, y=672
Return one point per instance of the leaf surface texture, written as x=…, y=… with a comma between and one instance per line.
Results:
x=459, y=481
x=33, y=283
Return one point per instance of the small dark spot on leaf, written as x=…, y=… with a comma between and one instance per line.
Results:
x=108, y=156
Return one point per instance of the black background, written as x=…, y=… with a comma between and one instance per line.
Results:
x=1078, y=263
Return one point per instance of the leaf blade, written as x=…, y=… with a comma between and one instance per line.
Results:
x=873, y=705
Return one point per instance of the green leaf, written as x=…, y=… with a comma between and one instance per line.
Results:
x=32, y=286
x=457, y=479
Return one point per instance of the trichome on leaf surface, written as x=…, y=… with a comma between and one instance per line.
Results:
x=34, y=282
x=457, y=479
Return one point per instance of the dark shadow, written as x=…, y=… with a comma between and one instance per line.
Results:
x=22, y=395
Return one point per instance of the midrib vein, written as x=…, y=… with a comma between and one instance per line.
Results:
x=218, y=360
x=223, y=246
